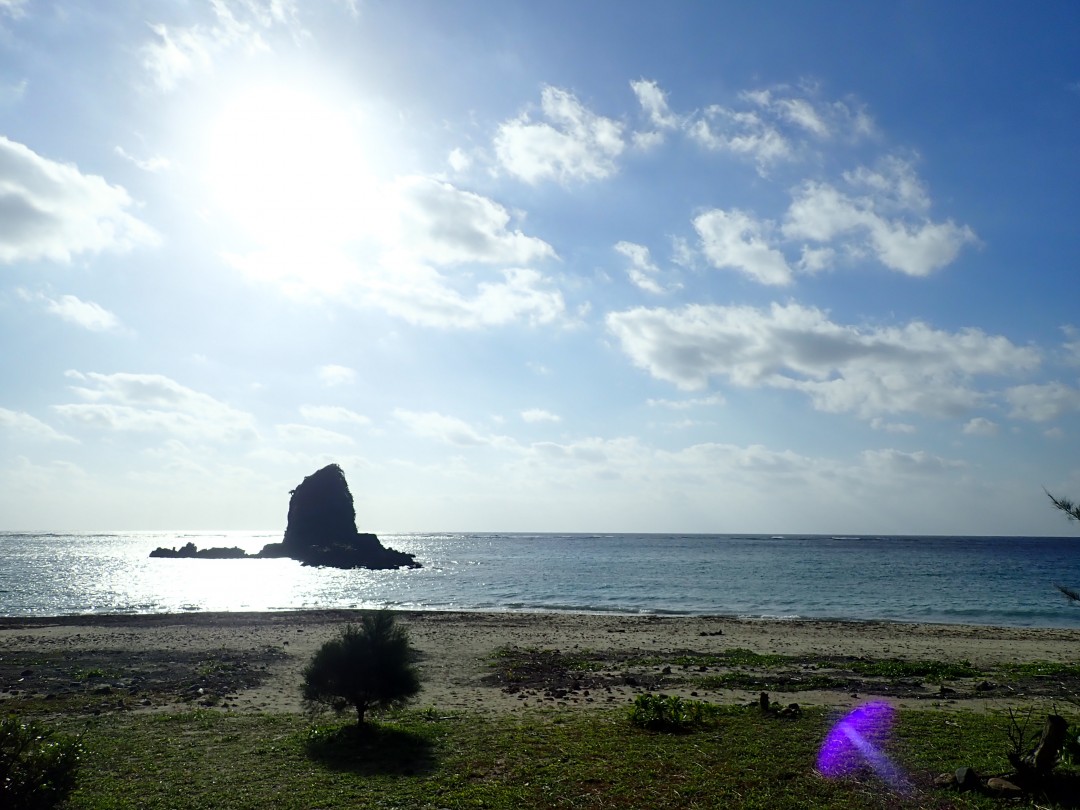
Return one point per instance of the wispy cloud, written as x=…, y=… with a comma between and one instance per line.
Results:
x=153, y=403
x=29, y=426
x=333, y=414
x=332, y=374
x=535, y=415
x=53, y=211
x=643, y=272
x=867, y=371
x=883, y=211
x=177, y=52
x=571, y=145
x=85, y=314
x=735, y=240
x=152, y=164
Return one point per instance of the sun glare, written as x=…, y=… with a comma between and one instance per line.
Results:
x=289, y=168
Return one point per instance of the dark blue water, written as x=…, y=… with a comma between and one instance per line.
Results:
x=977, y=580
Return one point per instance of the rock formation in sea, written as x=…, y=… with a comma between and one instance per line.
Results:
x=321, y=530
x=190, y=550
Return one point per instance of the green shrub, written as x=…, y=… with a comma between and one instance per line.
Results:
x=670, y=712
x=367, y=667
x=37, y=765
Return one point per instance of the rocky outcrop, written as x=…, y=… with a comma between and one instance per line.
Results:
x=190, y=550
x=321, y=530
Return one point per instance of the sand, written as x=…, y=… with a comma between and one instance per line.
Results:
x=262, y=656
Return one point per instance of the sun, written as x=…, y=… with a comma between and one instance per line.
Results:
x=289, y=168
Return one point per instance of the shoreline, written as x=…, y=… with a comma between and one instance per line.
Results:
x=627, y=654
x=105, y=617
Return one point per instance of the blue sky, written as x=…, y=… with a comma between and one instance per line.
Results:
x=608, y=266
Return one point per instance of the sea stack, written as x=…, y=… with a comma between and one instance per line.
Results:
x=321, y=528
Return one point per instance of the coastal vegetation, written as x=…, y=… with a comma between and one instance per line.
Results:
x=736, y=757
x=368, y=667
x=37, y=765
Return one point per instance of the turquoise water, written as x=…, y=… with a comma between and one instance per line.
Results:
x=976, y=580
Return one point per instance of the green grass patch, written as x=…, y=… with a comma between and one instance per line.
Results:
x=929, y=670
x=1042, y=669
x=738, y=758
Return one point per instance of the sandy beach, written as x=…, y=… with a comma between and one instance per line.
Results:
x=253, y=661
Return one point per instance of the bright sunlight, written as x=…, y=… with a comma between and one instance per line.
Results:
x=289, y=168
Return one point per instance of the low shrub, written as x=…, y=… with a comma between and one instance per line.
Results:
x=670, y=712
x=37, y=765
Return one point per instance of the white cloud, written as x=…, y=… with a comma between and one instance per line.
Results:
x=13, y=8
x=534, y=415
x=332, y=375
x=574, y=144
x=654, y=104
x=919, y=463
x=877, y=423
x=823, y=120
x=459, y=160
x=423, y=296
x=446, y=429
x=29, y=426
x=308, y=434
x=653, y=101
x=153, y=164
x=85, y=314
x=153, y=403
x=51, y=210
x=734, y=240
x=687, y=404
x=866, y=371
x=642, y=271
x=885, y=216
x=981, y=426
x=744, y=134
x=1071, y=346
x=333, y=413
x=431, y=265
x=1041, y=403
x=177, y=52
x=442, y=224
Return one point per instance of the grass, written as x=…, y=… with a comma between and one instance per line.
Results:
x=930, y=670
x=1043, y=669
x=739, y=758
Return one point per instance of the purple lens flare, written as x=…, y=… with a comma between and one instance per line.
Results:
x=857, y=741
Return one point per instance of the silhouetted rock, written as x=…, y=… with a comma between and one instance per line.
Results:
x=321, y=528
x=190, y=550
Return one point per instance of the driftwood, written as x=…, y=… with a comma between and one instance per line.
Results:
x=1042, y=760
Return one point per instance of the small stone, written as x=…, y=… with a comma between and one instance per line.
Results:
x=1003, y=787
x=967, y=778
x=945, y=780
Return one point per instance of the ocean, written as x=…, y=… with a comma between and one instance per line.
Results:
x=970, y=580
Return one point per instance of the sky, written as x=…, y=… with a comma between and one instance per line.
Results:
x=615, y=266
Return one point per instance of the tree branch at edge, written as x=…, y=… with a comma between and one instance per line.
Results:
x=1072, y=510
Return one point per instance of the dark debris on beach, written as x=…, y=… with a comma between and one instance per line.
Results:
x=111, y=680
x=594, y=676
